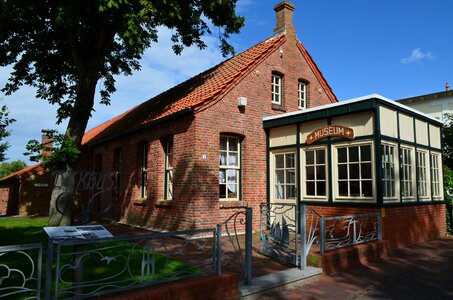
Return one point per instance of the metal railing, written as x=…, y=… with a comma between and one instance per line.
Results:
x=87, y=268
x=344, y=231
x=20, y=271
x=287, y=231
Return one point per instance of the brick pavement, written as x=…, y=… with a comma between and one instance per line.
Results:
x=422, y=271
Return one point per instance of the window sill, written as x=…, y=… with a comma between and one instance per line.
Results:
x=278, y=107
x=140, y=202
x=164, y=203
x=232, y=204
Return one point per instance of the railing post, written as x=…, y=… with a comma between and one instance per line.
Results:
x=248, y=245
x=322, y=233
x=218, y=265
x=49, y=258
x=303, y=235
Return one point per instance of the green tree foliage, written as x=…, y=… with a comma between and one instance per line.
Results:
x=447, y=151
x=7, y=168
x=63, y=48
x=448, y=195
x=5, y=121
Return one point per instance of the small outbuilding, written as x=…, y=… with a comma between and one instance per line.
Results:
x=363, y=155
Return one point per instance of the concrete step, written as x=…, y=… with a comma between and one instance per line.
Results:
x=278, y=280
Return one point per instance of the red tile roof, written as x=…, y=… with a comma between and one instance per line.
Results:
x=28, y=171
x=196, y=93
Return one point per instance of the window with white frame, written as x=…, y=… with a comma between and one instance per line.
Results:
x=388, y=171
x=354, y=172
x=436, y=177
x=229, y=168
x=407, y=169
x=168, y=169
x=143, y=170
x=422, y=170
x=285, y=176
x=315, y=172
x=276, y=89
x=302, y=95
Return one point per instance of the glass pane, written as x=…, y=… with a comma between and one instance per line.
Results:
x=367, y=189
x=232, y=176
x=342, y=171
x=343, y=188
x=222, y=176
x=233, y=144
x=278, y=191
x=320, y=173
x=353, y=154
x=290, y=160
x=354, y=171
x=310, y=173
x=366, y=170
x=309, y=157
x=365, y=153
x=223, y=143
x=279, y=176
x=223, y=159
x=310, y=188
x=222, y=190
x=342, y=155
x=290, y=176
x=279, y=161
x=354, y=188
x=320, y=156
x=321, y=188
x=290, y=192
x=232, y=191
x=233, y=159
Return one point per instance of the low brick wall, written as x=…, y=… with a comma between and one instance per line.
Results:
x=207, y=287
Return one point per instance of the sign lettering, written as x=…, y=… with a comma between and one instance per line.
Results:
x=328, y=131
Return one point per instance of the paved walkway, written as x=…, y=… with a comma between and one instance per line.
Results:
x=423, y=271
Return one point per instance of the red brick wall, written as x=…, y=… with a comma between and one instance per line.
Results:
x=5, y=195
x=196, y=191
x=401, y=226
x=222, y=287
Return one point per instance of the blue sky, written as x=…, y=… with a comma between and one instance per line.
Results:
x=398, y=49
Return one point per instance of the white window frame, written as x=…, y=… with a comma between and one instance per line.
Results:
x=168, y=169
x=228, y=168
x=304, y=179
x=277, y=89
x=274, y=177
x=337, y=197
x=302, y=94
x=423, y=178
x=409, y=170
x=436, y=182
x=393, y=165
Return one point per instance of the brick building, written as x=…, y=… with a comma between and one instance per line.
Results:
x=167, y=149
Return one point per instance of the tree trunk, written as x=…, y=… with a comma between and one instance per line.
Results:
x=60, y=211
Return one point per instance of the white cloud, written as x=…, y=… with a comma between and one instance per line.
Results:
x=417, y=55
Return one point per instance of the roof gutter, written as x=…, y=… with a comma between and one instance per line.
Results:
x=181, y=113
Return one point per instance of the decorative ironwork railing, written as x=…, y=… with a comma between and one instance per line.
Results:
x=287, y=231
x=87, y=268
x=350, y=230
x=242, y=250
x=279, y=231
x=20, y=271
x=84, y=188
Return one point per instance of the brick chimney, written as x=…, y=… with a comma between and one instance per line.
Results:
x=284, y=14
x=47, y=141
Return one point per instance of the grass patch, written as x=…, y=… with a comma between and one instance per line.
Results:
x=18, y=231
